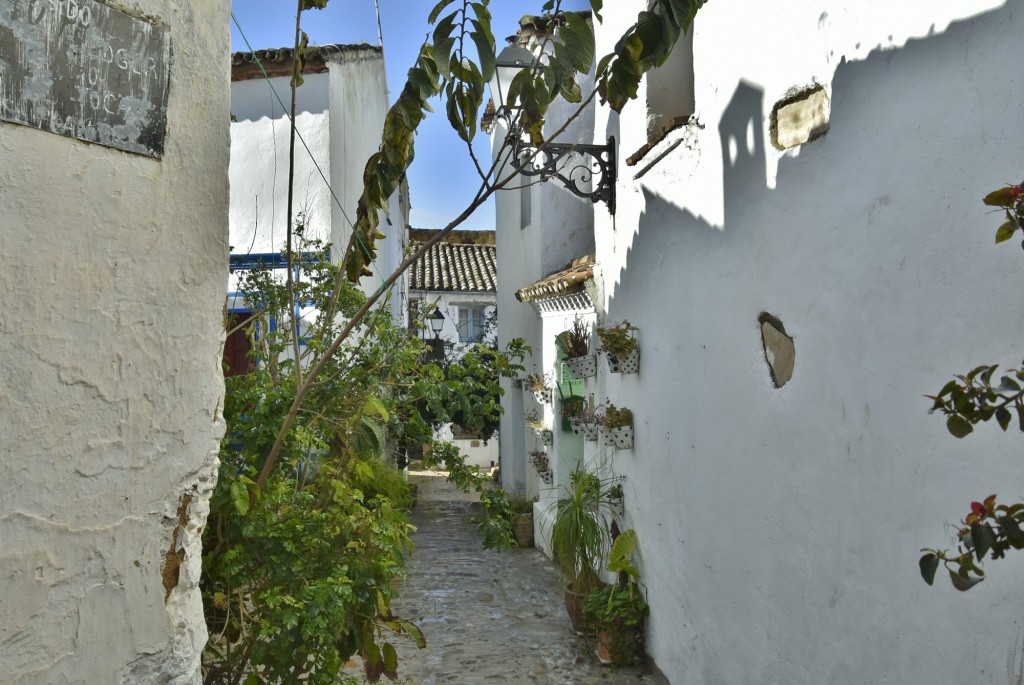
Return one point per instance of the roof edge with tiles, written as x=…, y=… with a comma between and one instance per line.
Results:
x=567, y=281
x=278, y=62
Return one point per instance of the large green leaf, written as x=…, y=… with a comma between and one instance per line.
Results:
x=929, y=564
x=983, y=537
x=1005, y=230
x=240, y=497
x=963, y=583
x=436, y=12
x=958, y=426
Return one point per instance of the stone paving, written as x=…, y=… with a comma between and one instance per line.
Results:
x=489, y=617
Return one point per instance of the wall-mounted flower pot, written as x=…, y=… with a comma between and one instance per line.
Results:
x=543, y=396
x=630, y=363
x=617, y=505
x=547, y=437
x=583, y=367
x=547, y=476
x=589, y=431
x=620, y=437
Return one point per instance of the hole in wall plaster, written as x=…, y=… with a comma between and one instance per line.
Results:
x=779, y=350
x=800, y=117
x=175, y=557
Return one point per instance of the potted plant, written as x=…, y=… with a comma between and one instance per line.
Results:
x=534, y=421
x=620, y=346
x=584, y=479
x=578, y=538
x=574, y=344
x=522, y=520
x=616, y=502
x=571, y=406
x=618, y=427
x=540, y=386
x=588, y=420
x=539, y=459
x=616, y=612
x=547, y=437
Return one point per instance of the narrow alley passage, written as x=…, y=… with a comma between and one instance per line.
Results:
x=489, y=617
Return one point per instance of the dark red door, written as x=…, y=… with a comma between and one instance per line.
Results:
x=237, y=346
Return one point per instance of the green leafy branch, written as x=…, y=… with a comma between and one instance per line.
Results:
x=1011, y=199
x=967, y=400
x=990, y=528
x=972, y=398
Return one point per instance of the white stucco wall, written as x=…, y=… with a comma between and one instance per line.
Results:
x=259, y=163
x=340, y=117
x=559, y=230
x=780, y=528
x=111, y=298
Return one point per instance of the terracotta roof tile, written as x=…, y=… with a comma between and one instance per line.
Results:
x=568, y=281
x=278, y=62
x=454, y=267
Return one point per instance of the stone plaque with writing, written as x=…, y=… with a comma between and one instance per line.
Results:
x=79, y=68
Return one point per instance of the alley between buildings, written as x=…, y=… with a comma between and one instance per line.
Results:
x=489, y=617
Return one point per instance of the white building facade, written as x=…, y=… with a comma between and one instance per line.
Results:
x=340, y=110
x=113, y=264
x=815, y=199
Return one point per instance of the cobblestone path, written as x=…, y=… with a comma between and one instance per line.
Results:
x=489, y=617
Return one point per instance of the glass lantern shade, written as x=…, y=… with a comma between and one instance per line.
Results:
x=509, y=62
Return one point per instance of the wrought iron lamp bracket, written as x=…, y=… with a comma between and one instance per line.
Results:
x=591, y=177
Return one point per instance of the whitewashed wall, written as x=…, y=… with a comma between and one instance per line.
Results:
x=340, y=116
x=111, y=293
x=780, y=528
x=558, y=230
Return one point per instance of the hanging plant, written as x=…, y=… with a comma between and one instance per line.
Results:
x=616, y=501
x=588, y=420
x=540, y=386
x=618, y=427
x=621, y=347
x=574, y=342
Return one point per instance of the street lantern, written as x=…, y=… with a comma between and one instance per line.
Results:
x=586, y=170
x=509, y=62
x=436, y=322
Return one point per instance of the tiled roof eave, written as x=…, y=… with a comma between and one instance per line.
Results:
x=568, y=281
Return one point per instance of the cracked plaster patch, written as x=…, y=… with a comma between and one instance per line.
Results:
x=779, y=350
x=800, y=117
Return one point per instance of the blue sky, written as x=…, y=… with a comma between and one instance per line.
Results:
x=442, y=179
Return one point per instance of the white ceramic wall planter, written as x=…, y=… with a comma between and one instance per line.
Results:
x=627, y=364
x=620, y=438
x=583, y=367
x=589, y=431
x=617, y=505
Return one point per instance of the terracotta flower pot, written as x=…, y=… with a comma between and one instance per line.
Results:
x=522, y=529
x=618, y=644
x=574, y=607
